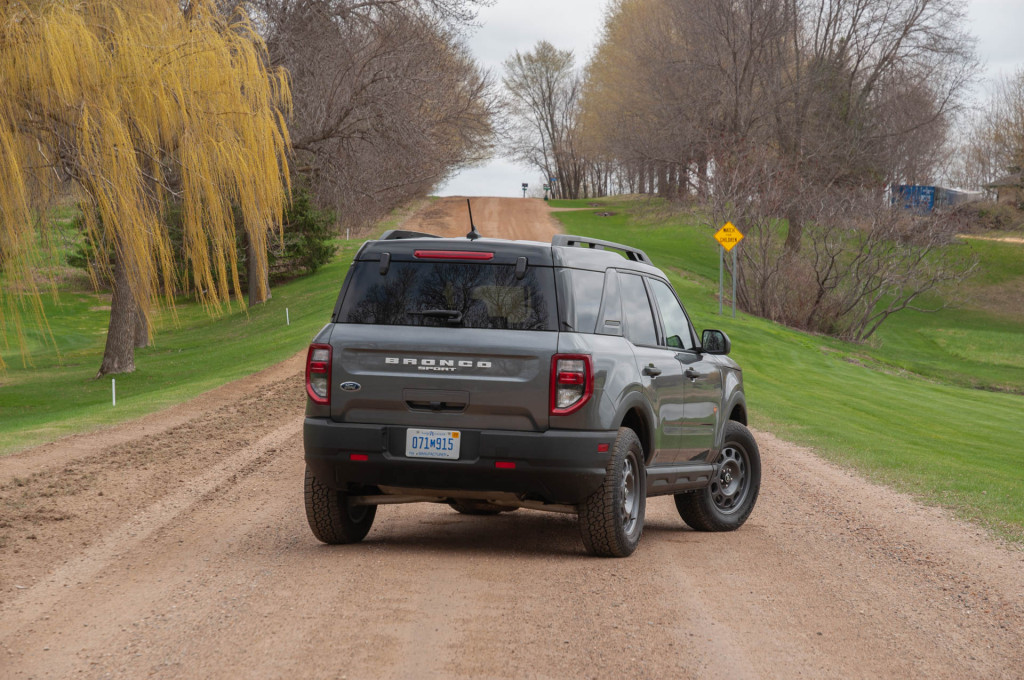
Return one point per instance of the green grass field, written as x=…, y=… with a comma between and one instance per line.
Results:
x=57, y=394
x=904, y=409
x=50, y=391
x=900, y=409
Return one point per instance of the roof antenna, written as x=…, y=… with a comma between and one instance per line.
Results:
x=473, y=233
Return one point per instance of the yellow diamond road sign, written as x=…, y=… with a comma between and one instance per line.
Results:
x=728, y=236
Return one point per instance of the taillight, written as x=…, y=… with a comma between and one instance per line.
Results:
x=572, y=383
x=318, y=373
x=452, y=255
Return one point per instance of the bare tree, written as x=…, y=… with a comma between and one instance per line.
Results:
x=994, y=142
x=777, y=110
x=543, y=88
x=863, y=260
x=387, y=100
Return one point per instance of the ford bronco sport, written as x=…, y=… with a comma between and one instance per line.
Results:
x=494, y=375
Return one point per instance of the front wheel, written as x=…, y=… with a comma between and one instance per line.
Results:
x=726, y=503
x=611, y=520
x=331, y=515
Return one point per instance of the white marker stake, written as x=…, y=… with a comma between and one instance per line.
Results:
x=113, y=391
x=287, y=317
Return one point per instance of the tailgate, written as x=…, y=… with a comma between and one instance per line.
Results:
x=441, y=377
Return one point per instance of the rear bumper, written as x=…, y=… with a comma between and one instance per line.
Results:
x=557, y=466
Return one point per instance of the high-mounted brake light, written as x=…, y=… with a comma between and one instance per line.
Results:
x=452, y=255
x=572, y=383
x=318, y=373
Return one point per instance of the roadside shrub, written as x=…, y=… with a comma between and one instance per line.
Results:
x=991, y=216
x=306, y=245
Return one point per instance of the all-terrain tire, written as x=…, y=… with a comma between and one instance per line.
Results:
x=611, y=520
x=726, y=504
x=471, y=507
x=332, y=518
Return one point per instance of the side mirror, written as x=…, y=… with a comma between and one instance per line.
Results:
x=715, y=342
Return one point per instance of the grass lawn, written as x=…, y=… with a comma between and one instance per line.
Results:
x=57, y=395
x=50, y=392
x=897, y=409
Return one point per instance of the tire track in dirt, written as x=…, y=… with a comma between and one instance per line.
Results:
x=141, y=526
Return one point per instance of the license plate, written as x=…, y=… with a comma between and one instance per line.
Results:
x=442, y=444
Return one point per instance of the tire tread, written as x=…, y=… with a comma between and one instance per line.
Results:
x=328, y=514
x=698, y=510
x=599, y=523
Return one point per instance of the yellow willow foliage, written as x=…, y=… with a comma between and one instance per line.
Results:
x=137, y=103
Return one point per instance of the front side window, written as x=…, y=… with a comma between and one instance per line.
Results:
x=673, y=318
x=459, y=295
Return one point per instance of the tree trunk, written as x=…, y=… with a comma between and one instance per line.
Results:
x=259, y=285
x=119, y=353
x=795, y=231
x=141, y=330
x=702, y=176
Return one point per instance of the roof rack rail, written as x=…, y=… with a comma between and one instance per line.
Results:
x=392, y=234
x=634, y=254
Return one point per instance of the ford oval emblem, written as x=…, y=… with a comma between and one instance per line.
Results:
x=351, y=386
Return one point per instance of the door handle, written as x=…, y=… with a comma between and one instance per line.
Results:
x=691, y=374
x=652, y=370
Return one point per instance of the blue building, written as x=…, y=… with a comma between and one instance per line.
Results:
x=921, y=198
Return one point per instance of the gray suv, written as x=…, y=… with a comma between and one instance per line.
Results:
x=493, y=375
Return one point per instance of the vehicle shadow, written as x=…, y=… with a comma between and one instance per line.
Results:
x=525, y=533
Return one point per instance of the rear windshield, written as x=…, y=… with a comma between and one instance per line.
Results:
x=453, y=295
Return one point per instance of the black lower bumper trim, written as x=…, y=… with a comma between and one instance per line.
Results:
x=557, y=466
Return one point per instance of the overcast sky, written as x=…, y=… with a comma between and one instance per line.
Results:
x=511, y=25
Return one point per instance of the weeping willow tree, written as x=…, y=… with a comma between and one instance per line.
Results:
x=137, y=104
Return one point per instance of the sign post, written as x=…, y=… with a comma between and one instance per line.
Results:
x=525, y=187
x=728, y=236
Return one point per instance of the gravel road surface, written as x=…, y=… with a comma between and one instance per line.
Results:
x=176, y=546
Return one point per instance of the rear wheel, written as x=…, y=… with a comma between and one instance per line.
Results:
x=729, y=500
x=611, y=520
x=331, y=515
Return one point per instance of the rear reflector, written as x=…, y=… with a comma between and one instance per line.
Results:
x=359, y=457
x=602, y=448
x=504, y=465
x=452, y=255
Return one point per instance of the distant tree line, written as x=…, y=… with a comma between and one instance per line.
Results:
x=790, y=118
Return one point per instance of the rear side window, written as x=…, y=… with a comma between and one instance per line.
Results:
x=640, y=328
x=582, y=298
x=452, y=295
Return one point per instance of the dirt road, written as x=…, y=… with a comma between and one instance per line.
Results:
x=514, y=218
x=176, y=546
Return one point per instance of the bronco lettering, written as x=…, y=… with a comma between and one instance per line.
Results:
x=436, y=363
